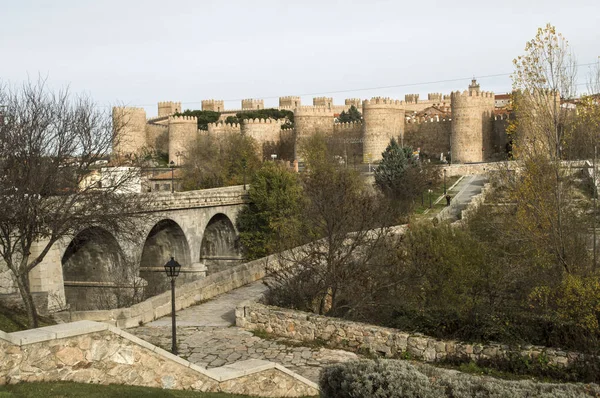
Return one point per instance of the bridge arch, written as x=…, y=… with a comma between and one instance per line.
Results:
x=166, y=239
x=95, y=272
x=219, y=248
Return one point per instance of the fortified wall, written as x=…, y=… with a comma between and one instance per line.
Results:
x=464, y=124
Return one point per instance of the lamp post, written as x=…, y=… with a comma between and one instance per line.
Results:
x=172, y=269
x=444, y=181
x=172, y=165
x=429, y=190
x=273, y=156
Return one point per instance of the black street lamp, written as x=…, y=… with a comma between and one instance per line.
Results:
x=444, y=181
x=172, y=269
x=172, y=165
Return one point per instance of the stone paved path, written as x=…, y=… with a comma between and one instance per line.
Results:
x=206, y=336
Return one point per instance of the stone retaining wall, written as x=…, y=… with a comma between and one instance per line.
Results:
x=355, y=336
x=91, y=352
x=186, y=295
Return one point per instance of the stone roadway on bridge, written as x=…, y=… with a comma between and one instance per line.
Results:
x=207, y=337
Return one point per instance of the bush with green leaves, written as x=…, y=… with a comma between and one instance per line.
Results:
x=401, y=379
x=352, y=116
x=204, y=117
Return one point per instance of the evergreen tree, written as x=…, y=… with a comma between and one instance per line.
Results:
x=353, y=115
x=389, y=173
x=273, y=212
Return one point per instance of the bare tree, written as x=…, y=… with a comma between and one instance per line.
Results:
x=51, y=186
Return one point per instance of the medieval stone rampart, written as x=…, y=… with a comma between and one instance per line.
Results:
x=266, y=133
x=383, y=119
x=432, y=135
x=224, y=128
x=310, y=120
x=183, y=131
x=157, y=137
x=168, y=108
x=472, y=129
x=130, y=130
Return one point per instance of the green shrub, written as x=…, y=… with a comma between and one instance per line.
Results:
x=400, y=379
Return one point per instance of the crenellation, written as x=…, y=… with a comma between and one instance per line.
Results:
x=465, y=120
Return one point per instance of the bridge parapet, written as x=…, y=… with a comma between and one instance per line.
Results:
x=227, y=196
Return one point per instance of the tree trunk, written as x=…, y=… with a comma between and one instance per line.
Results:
x=24, y=289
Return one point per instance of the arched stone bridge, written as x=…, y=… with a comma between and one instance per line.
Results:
x=98, y=270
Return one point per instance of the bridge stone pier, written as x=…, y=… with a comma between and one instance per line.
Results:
x=99, y=270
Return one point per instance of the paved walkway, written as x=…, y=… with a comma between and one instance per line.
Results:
x=462, y=194
x=207, y=336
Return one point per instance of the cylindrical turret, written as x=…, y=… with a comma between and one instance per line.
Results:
x=472, y=126
x=383, y=119
x=129, y=125
x=168, y=108
x=183, y=131
x=266, y=133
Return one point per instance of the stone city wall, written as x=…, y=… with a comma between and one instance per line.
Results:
x=355, y=336
x=90, y=352
x=157, y=137
x=432, y=135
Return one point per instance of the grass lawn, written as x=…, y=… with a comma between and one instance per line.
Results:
x=437, y=191
x=15, y=320
x=68, y=389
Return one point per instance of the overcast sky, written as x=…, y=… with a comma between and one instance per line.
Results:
x=141, y=52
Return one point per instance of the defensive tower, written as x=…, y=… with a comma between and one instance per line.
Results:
x=383, y=119
x=168, y=108
x=183, y=131
x=353, y=101
x=251, y=103
x=130, y=130
x=472, y=125
x=435, y=97
x=309, y=120
x=411, y=98
x=326, y=102
x=213, y=105
x=289, y=102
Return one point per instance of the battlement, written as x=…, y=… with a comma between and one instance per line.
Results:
x=383, y=102
x=251, y=103
x=263, y=121
x=347, y=126
x=411, y=98
x=213, y=105
x=434, y=96
x=132, y=109
x=183, y=119
x=503, y=116
x=227, y=126
x=289, y=102
x=313, y=110
x=472, y=94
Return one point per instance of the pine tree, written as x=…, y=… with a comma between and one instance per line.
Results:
x=395, y=161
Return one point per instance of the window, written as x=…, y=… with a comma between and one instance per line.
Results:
x=157, y=187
